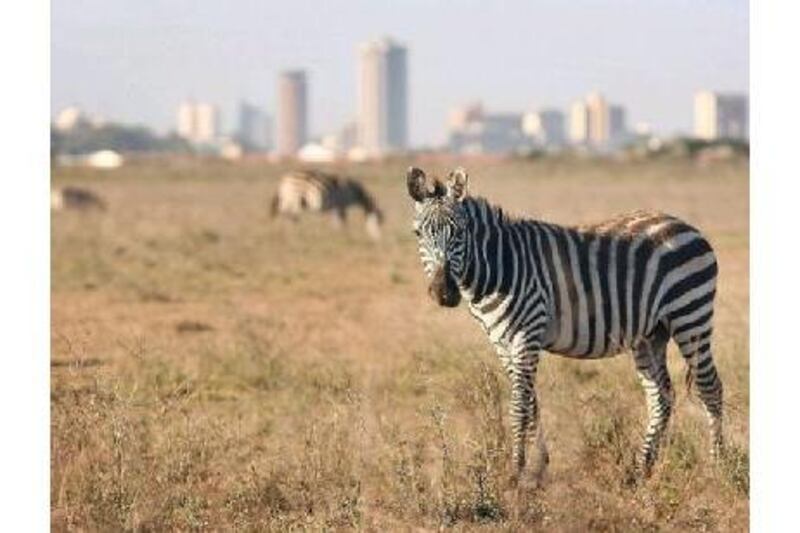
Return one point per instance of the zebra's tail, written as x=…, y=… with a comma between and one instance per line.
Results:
x=689, y=353
x=689, y=380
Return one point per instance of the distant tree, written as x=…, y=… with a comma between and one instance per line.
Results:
x=85, y=138
x=55, y=144
x=694, y=145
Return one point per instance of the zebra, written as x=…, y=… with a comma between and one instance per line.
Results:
x=312, y=190
x=631, y=283
x=75, y=198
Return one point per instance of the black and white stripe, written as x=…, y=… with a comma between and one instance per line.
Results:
x=628, y=284
x=312, y=190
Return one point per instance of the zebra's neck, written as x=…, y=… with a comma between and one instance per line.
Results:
x=491, y=264
x=363, y=199
x=485, y=232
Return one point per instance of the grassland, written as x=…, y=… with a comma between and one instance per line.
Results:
x=213, y=369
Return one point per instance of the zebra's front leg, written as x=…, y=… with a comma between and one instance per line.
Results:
x=339, y=218
x=524, y=412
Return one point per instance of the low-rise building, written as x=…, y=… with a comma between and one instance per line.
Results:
x=545, y=128
x=472, y=131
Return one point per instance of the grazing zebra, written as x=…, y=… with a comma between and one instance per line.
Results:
x=628, y=284
x=75, y=198
x=311, y=190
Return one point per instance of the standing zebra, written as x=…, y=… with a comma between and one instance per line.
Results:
x=630, y=283
x=311, y=190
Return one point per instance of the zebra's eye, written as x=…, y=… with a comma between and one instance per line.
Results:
x=417, y=232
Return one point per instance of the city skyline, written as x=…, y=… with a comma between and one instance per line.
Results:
x=135, y=64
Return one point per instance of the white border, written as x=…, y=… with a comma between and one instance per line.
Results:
x=24, y=286
x=775, y=361
x=24, y=280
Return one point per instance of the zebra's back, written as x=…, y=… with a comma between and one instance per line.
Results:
x=612, y=284
x=299, y=190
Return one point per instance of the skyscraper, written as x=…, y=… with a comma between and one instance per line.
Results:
x=720, y=116
x=382, y=97
x=579, y=123
x=292, y=128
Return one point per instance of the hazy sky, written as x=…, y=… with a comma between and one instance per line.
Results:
x=135, y=61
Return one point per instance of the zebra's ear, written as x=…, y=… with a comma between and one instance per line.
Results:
x=457, y=184
x=417, y=183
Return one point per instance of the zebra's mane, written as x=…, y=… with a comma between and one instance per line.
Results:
x=367, y=200
x=497, y=212
x=344, y=183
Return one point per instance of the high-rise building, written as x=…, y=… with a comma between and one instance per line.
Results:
x=198, y=123
x=579, y=123
x=595, y=122
x=382, y=97
x=617, y=126
x=545, y=127
x=721, y=116
x=207, y=122
x=186, y=120
x=254, y=128
x=292, y=130
x=599, y=118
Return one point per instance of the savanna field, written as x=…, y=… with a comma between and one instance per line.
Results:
x=214, y=369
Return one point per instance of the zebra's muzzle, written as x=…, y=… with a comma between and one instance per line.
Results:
x=443, y=288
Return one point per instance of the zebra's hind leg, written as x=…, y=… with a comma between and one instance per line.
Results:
x=695, y=346
x=650, y=357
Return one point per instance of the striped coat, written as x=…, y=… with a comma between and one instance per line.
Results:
x=315, y=191
x=628, y=284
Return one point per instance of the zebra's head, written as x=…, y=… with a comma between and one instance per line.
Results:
x=440, y=224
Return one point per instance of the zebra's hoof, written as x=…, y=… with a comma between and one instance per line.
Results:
x=636, y=475
x=513, y=481
x=539, y=476
x=717, y=447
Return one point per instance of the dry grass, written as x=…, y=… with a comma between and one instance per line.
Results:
x=214, y=370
